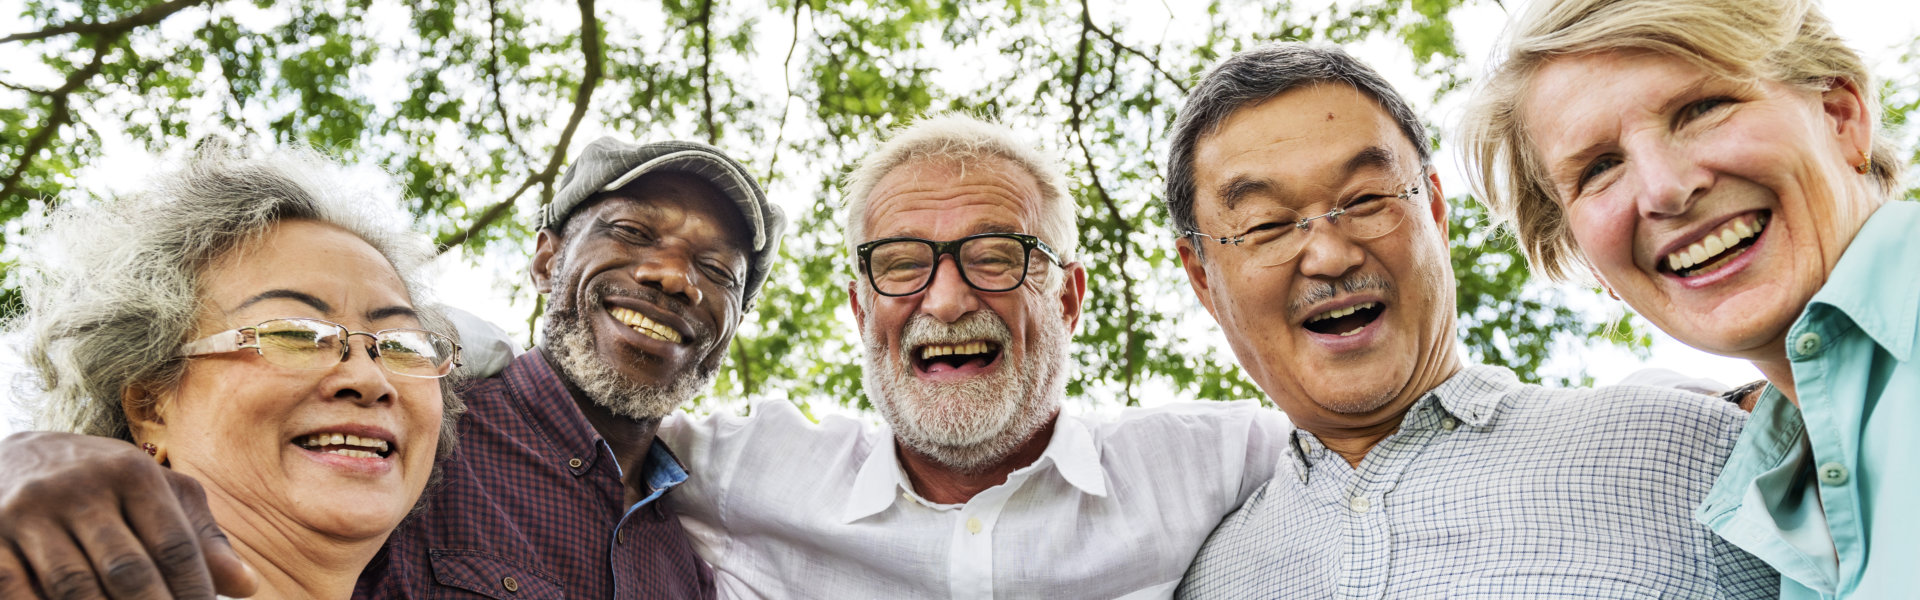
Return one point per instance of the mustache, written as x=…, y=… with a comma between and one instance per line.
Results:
x=922, y=329
x=600, y=292
x=1317, y=292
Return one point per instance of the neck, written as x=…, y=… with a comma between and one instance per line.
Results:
x=1779, y=372
x=630, y=438
x=1354, y=443
x=294, y=562
x=943, y=485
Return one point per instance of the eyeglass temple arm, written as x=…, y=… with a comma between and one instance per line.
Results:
x=225, y=341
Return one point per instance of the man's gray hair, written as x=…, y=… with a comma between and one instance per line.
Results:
x=967, y=142
x=1258, y=75
x=112, y=289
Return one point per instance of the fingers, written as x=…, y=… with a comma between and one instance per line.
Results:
x=215, y=557
x=14, y=580
x=58, y=564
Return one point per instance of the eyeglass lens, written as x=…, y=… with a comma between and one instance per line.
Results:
x=1276, y=234
x=989, y=264
x=313, y=344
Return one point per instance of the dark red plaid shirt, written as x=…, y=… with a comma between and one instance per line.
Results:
x=531, y=506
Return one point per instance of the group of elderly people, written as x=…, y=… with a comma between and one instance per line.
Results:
x=254, y=326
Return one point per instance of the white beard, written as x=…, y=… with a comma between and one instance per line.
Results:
x=972, y=425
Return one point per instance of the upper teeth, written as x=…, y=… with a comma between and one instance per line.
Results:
x=1341, y=312
x=647, y=327
x=1731, y=235
x=345, y=439
x=927, y=352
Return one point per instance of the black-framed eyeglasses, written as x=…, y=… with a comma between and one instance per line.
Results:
x=1279, y=233
x=302, y=343
x=989, y=262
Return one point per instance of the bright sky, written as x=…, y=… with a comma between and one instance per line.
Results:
x=1881, y=29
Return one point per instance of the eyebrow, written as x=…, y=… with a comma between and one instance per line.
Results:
x=1238, y=189
x=385, y=312
x=1580, y=158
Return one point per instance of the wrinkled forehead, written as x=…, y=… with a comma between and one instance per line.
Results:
x=941, y=199
x=672, y=200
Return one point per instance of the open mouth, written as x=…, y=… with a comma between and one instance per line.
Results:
x=943, y=358
x=345, y=444
x=1718, y=248
x=1345, y=321
x=647, y=327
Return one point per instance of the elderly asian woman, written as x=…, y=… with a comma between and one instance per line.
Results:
x=1716, y=165
x=256, y=324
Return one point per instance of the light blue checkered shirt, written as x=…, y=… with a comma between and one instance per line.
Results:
x=1495, y=489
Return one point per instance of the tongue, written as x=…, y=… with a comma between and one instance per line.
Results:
x=943, y=366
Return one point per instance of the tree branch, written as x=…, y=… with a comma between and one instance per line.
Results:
x=786, y=72
x=493, y=79
x=706, y=69
x=582, y=99
x=59, y=115
x=148, y=16
x=1147, y=57
x=1100, y=190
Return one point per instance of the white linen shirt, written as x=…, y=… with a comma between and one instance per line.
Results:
x=1114, y=508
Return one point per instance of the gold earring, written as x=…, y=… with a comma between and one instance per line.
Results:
x=1866, y=163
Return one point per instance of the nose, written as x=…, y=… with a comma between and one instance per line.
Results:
x=948, y=297
x=1329, y=253
x=1666, y=180
x=670, y=270
x=359, y=378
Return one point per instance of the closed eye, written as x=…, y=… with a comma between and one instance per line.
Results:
x=1701, y=108
x=1595, y=169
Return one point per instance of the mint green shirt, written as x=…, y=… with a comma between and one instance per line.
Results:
x=1829, y=493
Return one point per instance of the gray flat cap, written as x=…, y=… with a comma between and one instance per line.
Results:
x=608, y=164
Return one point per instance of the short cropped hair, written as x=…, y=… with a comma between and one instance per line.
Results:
x=967, y=142
x=1258, y=75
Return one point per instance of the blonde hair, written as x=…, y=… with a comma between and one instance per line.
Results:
x=1787, y=41
x=967, y=141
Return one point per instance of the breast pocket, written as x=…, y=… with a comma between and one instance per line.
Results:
x=474, y=574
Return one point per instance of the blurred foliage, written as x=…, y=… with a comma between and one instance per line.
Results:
x=474, y=106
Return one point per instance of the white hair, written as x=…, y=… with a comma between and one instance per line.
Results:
x=967, y=141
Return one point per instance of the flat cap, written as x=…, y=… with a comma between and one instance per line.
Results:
x=609, y=164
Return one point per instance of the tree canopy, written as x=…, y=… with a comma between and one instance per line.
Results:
x=478, y=105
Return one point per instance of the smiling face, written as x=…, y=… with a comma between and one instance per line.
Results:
x=245, y=428
x=644, y=292
x=1715, y=207
x=965, y=377
x=1348, y=333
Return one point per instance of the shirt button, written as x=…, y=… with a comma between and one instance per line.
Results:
x=1807, y=344
x=1359, y=504
x=1833, y=473
x=510, y=584
x=620, y=537
x=973, y=525
x=575, y=462
x=1449, y=423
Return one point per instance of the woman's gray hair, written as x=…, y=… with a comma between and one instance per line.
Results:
x=112, y=289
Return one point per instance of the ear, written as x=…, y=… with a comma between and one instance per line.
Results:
x=859, y=312
x=1073, y=295
x=1196, y=273
x=1438, y=203
x=1847, y=114
x=144, y=415
x=546, y=248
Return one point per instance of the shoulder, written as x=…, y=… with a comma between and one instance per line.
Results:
x=1184, y=418
x=1662, y=417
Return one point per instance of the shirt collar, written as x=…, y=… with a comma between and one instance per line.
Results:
x=1472, y=396
x=881, y=480
x=1883, y=306
x=544, y=399
x=662, y=471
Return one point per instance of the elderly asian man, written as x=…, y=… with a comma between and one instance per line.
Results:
x=1312, y=226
